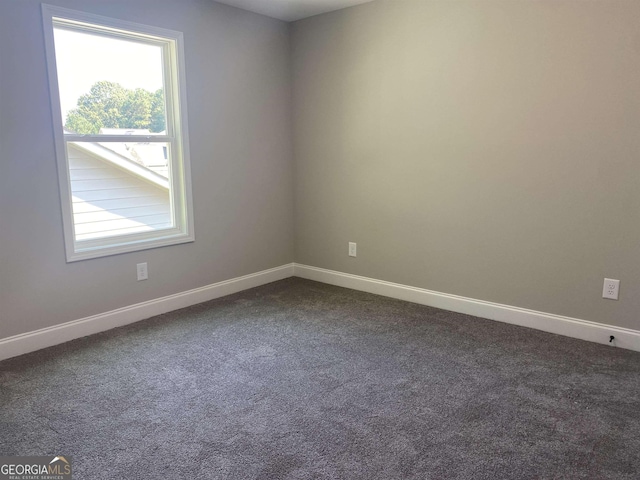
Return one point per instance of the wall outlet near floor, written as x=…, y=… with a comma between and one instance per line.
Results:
x=611, y=288
x=143, y=273
x=352, y=249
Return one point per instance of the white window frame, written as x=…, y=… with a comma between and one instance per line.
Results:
x=176, y=133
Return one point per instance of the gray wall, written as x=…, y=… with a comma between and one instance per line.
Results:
x=238, y=87
x=485, y=149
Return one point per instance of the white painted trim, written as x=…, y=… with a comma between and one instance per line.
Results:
x=47, y=337
x=567, y=326
x=547, y=322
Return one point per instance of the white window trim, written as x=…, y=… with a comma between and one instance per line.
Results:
x=181, y=197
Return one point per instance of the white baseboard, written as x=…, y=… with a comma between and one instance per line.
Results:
x=567, y=326
x=47, y=337
x=558, y=324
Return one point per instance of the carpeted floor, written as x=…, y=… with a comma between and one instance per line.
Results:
x=300, y=380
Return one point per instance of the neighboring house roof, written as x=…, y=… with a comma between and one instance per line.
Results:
x=108, y=155
x=149, y=154
x=113, y=195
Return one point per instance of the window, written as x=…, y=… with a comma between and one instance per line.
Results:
x=118, y=101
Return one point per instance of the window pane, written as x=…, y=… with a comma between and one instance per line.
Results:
x=119, y=188
x=109, y=85
x=115, y=78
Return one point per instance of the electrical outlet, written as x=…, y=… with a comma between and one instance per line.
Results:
x=352, y=249
x=611, y=288
x=143, y=273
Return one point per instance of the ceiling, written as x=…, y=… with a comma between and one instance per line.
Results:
x=291, y=10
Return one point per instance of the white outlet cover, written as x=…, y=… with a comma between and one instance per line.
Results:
x=352, y=249
x=143, y=273
x=611, y=288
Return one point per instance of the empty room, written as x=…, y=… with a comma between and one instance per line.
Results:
x=319, y=239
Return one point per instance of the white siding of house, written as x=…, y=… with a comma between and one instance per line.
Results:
x=109, y=201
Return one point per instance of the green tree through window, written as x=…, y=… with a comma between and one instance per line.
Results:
x=109, y=105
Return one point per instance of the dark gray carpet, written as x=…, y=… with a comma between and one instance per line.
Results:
x=300, y=380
